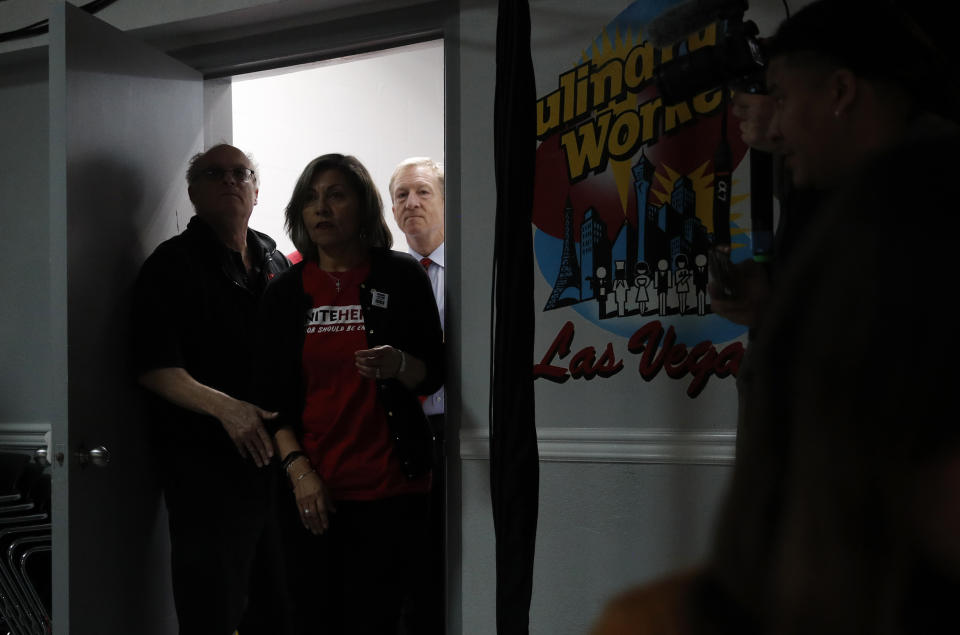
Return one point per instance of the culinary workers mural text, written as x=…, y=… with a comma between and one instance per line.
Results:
x=624, y=216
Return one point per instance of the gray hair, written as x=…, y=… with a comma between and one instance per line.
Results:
x=196, y=161
x=425, y=162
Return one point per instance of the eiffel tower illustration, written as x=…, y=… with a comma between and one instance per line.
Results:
x=567, y=289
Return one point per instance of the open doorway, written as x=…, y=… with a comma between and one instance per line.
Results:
x=380, y=107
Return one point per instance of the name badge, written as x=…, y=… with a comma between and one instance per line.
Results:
x=379, y=299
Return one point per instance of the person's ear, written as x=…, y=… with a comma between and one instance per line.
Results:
x=843, y=91
x=256, y=195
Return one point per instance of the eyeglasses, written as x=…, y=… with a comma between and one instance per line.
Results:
x=240, y=175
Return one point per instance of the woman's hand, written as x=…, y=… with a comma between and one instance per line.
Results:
x=380, y=362
x=387, y=362
x=313, y=500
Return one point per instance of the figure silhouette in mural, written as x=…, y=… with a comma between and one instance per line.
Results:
x=663, y=282
x=601, y=285
x=637, y=302
x=700, y=280
x=621, y=287
x=682, y=275
x=610, y=309
x=631, y=306
x=595, y=287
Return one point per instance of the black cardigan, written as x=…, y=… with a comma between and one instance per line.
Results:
x=409, y=322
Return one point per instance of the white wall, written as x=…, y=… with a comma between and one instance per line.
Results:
x=380, y=107
x=629, y=484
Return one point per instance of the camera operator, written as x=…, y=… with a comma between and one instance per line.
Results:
x=842, y=515
x=906, y=90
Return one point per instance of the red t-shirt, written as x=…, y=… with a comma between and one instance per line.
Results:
x=346, y=434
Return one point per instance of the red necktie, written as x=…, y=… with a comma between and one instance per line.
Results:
x=426, y=266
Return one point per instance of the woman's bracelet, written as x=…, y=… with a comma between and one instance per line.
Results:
x=300, y=477
x=290, y=458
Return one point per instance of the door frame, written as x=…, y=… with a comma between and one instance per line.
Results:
x=219, y=51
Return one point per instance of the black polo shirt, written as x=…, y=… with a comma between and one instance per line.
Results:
x=194, y=308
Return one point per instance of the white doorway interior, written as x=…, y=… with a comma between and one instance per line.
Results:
x=381, y=107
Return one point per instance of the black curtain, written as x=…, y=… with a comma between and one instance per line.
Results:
x=514, y=461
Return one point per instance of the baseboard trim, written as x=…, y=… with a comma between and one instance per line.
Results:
x=24, y=436
x=616, y=445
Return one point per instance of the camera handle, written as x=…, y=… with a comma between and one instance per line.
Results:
x=761, y=191
x=761, y=204
x=722, y=177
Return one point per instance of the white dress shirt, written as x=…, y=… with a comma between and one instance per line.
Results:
x=433, y=404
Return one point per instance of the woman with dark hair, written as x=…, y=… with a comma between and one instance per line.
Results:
x=354, y=336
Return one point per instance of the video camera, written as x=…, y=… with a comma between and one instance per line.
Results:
x=736, y=61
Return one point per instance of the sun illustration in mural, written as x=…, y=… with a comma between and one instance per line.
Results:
x=603, y=50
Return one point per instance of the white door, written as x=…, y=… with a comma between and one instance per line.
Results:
x=124, y=120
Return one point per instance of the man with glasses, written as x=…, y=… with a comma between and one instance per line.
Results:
x=195, y=304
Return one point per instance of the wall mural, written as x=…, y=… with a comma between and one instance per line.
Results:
x=625, y=210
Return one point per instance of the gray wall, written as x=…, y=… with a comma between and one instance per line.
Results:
x=24, y=241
